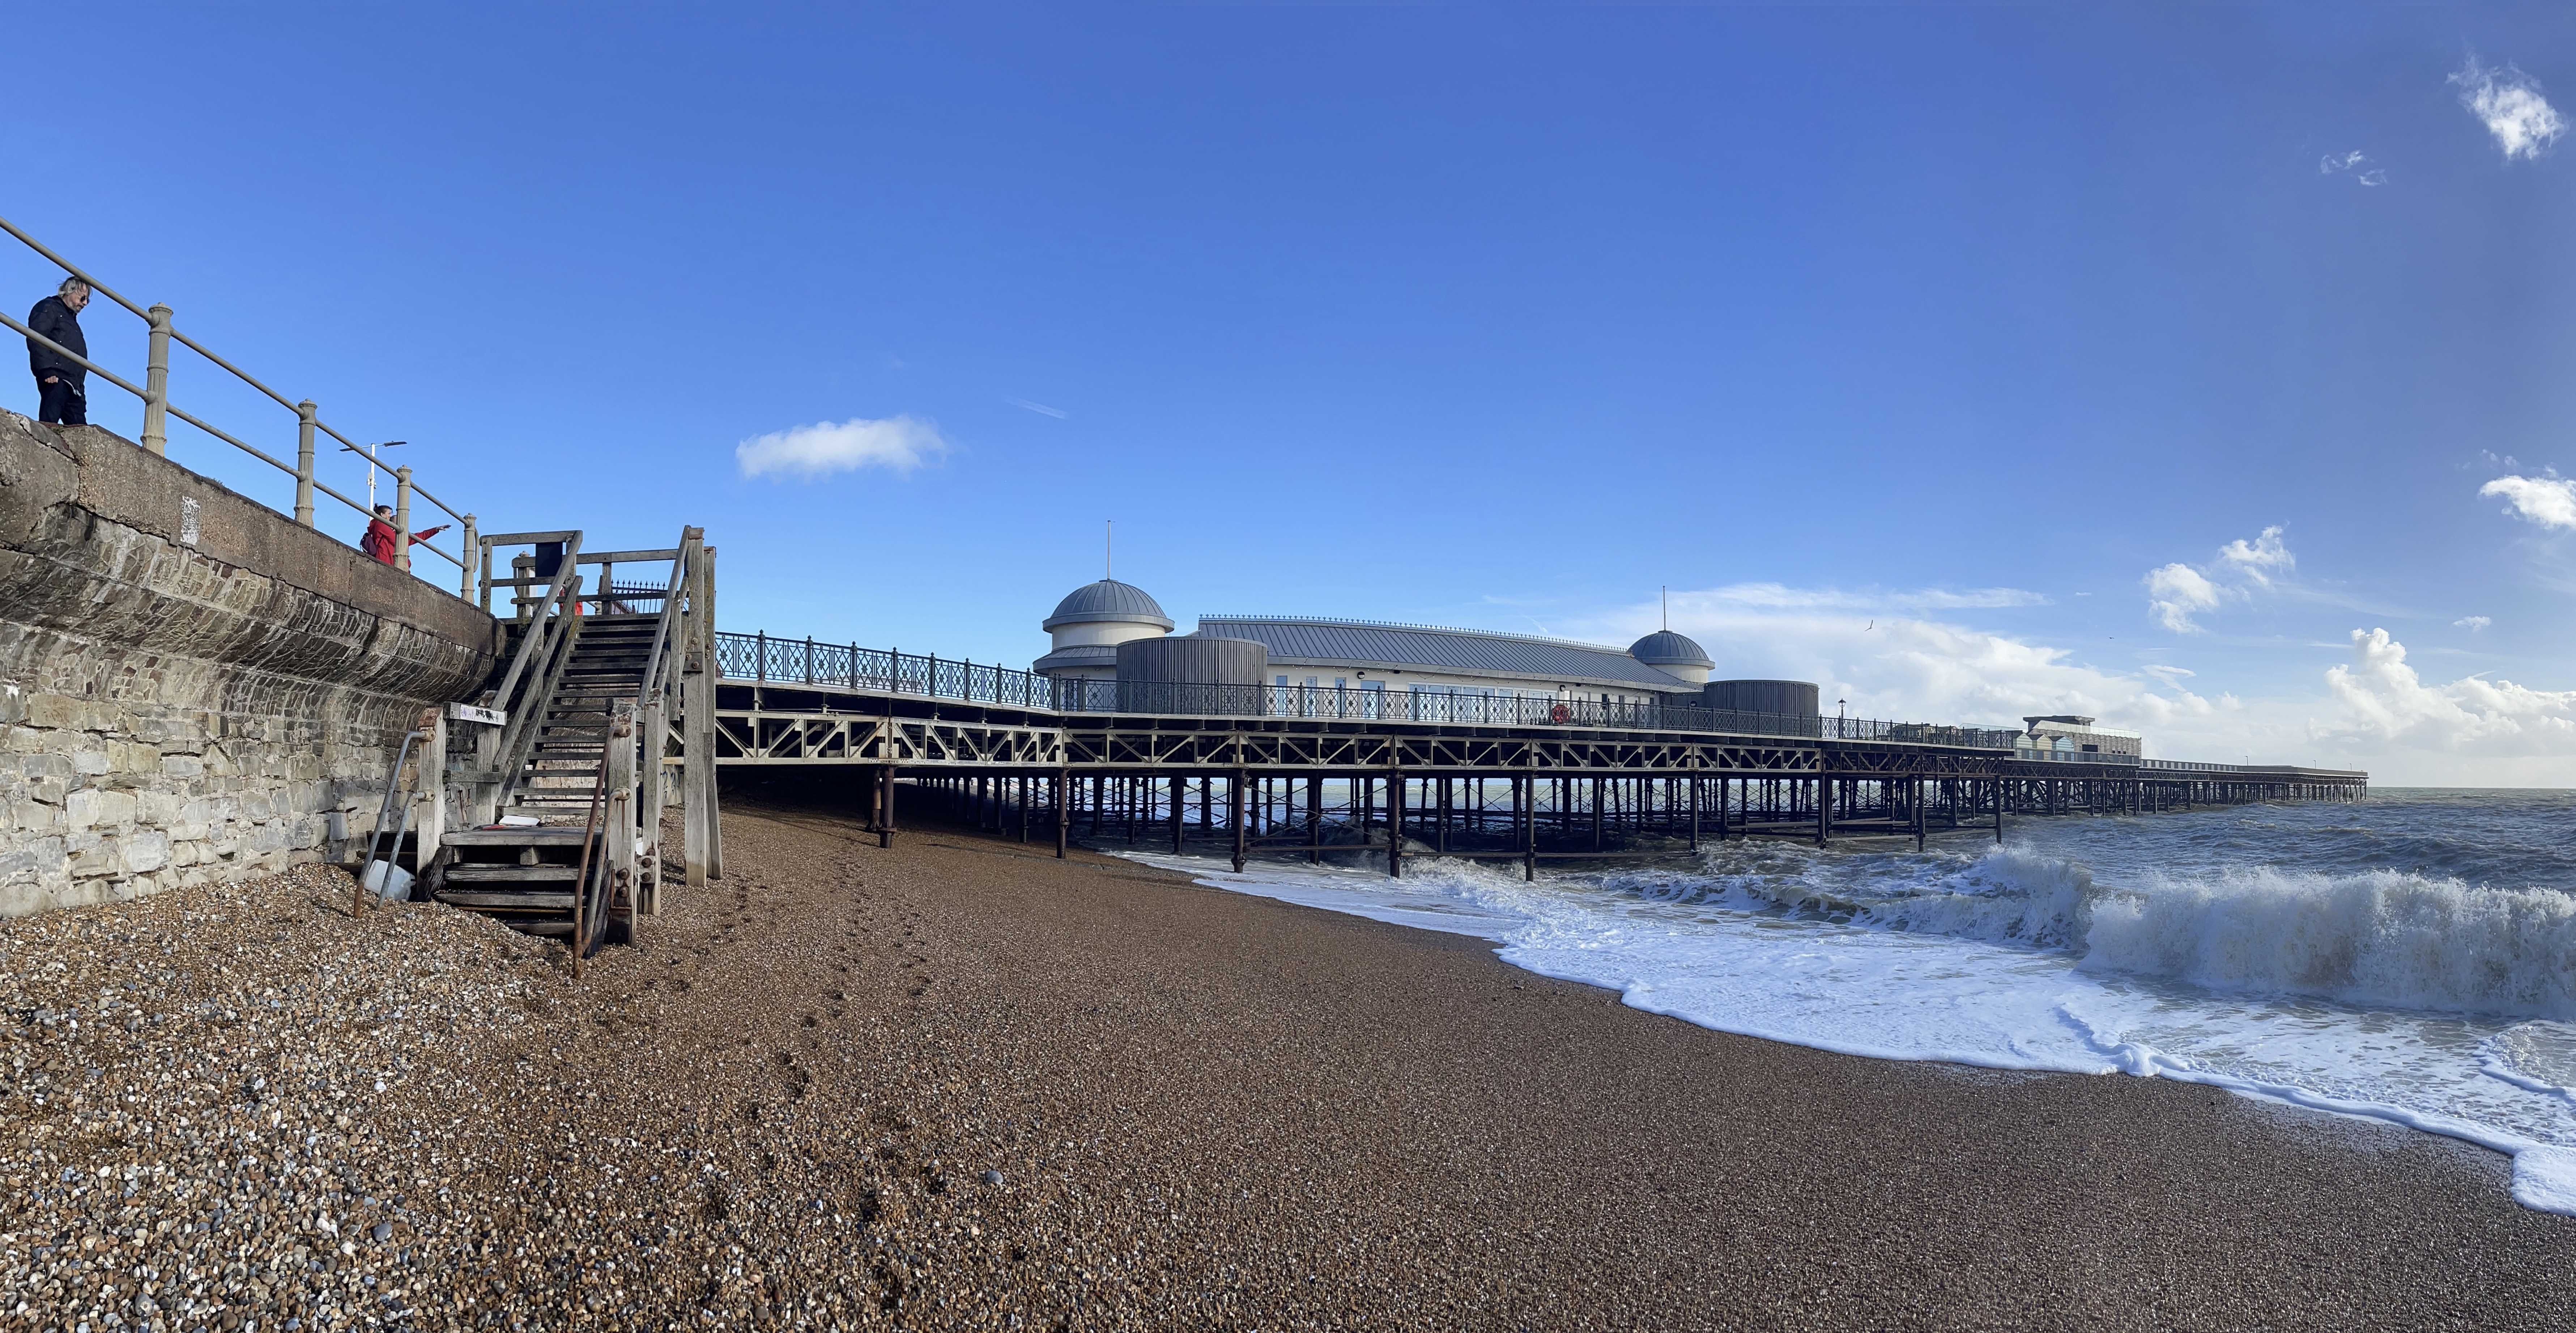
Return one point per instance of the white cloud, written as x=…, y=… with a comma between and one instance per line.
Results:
x=1040, y=408
x=2547, y=501
x=2177, y=592
x=2371, y=712
x=1907, y=667
x=2386, y=703
x=898, y=443
x=2261, y=558
x=2357, y=163
x=2472, y=623
x=2508, y=102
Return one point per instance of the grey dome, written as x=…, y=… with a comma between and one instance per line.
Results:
x=1665, y=648
x=1107, y=600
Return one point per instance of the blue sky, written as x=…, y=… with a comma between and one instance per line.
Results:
x=1915, y=349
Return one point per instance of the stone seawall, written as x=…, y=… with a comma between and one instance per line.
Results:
x=193, y=686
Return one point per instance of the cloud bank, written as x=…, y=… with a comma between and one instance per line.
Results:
x=2549, y=502
x=2509, y=103
x=899, y=444
x=2386, y=704
x=2373, y=710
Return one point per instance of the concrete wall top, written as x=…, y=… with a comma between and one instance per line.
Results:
x=45, y=468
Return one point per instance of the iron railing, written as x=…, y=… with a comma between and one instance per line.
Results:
x=157, y=408
x=760, y=657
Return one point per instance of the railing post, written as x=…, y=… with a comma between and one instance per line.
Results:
x=402, y=517
x=156, y=381
x=760, y=658
x=304, y=417
x=472, y=560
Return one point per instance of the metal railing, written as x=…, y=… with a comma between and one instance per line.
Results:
x=157, y=407
x=759, y=658
x=2044, y=755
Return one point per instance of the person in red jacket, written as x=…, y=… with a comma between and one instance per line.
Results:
x=379, y=541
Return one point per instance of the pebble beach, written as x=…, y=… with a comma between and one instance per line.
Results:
x=960, y=1084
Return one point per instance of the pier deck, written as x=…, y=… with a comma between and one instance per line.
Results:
x=1005, y=747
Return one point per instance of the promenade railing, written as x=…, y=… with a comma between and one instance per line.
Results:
x=761, y=657
x=159, y=333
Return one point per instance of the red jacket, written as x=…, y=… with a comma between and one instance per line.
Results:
x=379, y=541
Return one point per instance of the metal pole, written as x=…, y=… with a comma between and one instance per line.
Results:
x=1180, y=804
x=304, y=417
x=156, y=381
x=1063, y=790
x=402, y=517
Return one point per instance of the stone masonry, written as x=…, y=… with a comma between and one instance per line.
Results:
x=193, y=686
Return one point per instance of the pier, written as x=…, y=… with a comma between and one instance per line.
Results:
x=1301, y=770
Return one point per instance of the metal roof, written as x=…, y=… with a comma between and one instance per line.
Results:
x=1357, y=643
x=1665, y=648
x=1107, y=600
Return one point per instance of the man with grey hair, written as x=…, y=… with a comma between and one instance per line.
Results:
x=61, y=382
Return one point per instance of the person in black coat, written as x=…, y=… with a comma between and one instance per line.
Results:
x=61, y=383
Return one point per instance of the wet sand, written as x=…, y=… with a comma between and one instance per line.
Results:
x=959, y=1084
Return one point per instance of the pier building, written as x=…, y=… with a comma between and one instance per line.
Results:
x=1318, y=653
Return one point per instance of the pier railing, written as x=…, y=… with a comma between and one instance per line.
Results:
x=759, y=657
x=159, y=333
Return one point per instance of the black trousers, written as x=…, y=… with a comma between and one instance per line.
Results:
x=61, y=403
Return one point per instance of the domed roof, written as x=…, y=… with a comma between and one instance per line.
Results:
x=1665, y=648
x=1107, y=600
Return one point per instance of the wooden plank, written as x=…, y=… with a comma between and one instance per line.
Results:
x=515, y=837
x=507, y=901
x=467, y=872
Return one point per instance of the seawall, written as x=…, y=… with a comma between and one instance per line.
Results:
x=192, y=685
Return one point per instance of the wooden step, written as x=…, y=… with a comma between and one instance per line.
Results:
x=515, y=837
x=506, y=901
x=461, y=872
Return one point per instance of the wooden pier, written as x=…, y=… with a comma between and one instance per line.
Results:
x=1011, y=752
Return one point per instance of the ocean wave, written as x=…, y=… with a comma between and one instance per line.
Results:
x=2376, y=938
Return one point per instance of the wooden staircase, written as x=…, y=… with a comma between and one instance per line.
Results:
x=567, y=787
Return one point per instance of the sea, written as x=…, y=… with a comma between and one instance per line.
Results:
x=2410, y=957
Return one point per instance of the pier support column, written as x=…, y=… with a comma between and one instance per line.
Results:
x=1314, y=820
x=1525, y=791
x=885, y=806
x=1180, y=804
x=1824, y=809
x=1395, y=794
x=1063, y=816
x=1916, y=798
x=1236, y=810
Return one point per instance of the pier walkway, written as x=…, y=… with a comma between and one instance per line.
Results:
x=1322, y=769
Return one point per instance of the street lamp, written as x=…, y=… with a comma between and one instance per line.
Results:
x=369, y=454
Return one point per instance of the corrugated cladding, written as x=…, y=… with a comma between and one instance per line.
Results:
x=1464, y=652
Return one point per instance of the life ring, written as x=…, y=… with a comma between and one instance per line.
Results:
x=1560, y=715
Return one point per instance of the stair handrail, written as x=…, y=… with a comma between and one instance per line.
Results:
x=537, y=624
x=681, y=562
x=519, y=735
